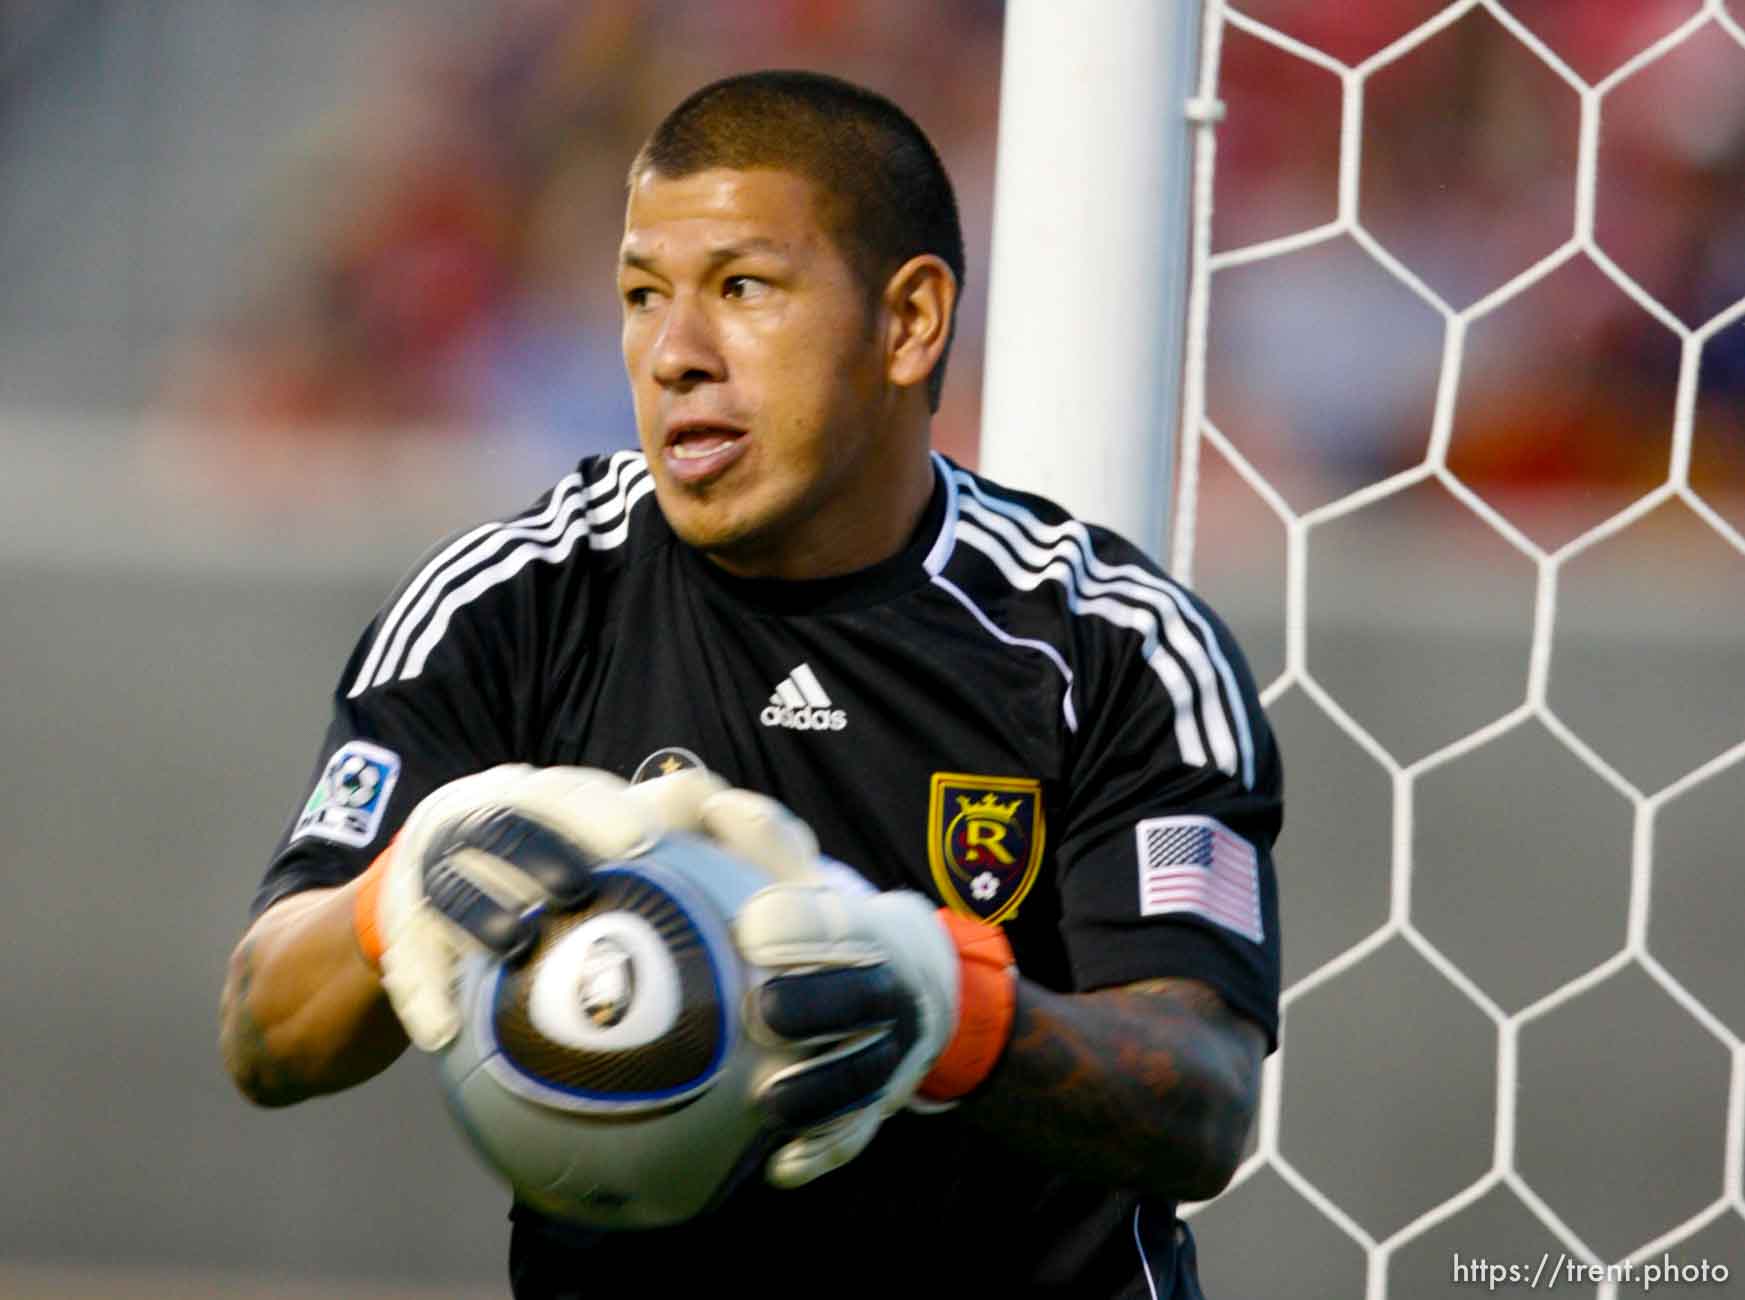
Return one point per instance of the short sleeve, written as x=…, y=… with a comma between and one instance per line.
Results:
x=406, y=717
x=1176, y=800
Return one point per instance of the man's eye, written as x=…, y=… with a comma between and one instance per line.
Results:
x=637, y=299
x=743, y=286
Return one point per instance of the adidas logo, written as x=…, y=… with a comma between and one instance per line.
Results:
x=800, y=704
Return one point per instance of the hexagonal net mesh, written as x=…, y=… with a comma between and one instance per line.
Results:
x=1515, y=1023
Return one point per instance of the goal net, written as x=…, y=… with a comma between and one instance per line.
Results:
x=1462, y=460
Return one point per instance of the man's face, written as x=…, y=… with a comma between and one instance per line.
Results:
x=755, y=359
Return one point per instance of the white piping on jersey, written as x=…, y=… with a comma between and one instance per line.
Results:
x=1168, y=671
x=940, y=552
x=519, y=559
x=935, y=564
x=1013, y=556
x=1144, y=1259
x=946, y=584
x=550, y=535
x=635, y=488
x=433, y=571
x=1028, y=551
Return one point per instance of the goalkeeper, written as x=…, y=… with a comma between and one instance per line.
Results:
x=966, y=695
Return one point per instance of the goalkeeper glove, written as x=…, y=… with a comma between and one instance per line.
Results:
x=900, y=998
x=482, y=858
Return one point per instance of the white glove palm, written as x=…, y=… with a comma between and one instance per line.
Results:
x=480, y=857
x=884, y=1024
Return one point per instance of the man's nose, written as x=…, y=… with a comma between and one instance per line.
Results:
x=685, y=349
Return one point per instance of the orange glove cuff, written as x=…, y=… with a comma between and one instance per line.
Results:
x=987, y=1003
x=363, y=916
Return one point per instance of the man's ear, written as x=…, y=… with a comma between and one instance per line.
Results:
x=919, y=300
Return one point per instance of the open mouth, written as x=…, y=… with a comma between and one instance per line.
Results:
x=701, y=443
x=699, y=450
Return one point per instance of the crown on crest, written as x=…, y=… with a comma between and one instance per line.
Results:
x=988, y=806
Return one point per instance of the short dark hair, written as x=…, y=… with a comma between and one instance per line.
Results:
x=886, y=195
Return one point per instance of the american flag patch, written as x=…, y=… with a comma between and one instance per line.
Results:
x=1197, y=865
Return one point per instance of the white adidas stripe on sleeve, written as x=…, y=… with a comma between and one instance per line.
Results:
x=1175, y=681
x=1126, y=604
x=457, y=555
x=1175, y=636
x=437, y=592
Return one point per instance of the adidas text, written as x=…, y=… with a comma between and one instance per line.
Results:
x=782, y=715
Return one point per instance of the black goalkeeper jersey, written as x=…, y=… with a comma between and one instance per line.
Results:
x=1018, y=715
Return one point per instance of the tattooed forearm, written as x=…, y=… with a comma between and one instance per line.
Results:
x=263, y=1078
x=1150, y=1086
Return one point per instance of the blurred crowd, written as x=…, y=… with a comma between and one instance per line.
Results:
x=454, y=273
x=1324, y=365
x=449, y=268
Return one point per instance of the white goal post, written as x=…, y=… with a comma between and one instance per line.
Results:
x=1089, y=269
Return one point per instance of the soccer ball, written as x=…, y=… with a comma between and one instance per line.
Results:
x=355, y=781
x=607, y=1077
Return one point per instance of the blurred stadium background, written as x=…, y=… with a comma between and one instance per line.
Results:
x=288, y=291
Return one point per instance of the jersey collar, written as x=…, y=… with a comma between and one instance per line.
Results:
x=909, y=568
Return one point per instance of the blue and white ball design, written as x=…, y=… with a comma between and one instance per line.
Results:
x=608, y=1077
